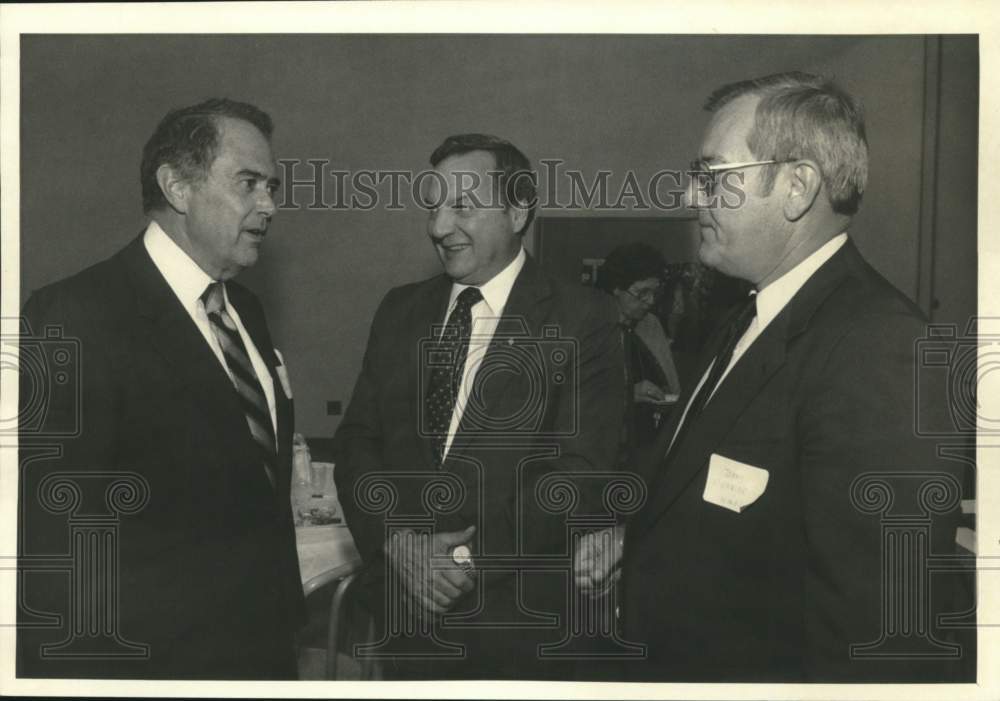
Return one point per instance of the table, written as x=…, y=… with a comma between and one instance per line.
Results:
x=326, y=552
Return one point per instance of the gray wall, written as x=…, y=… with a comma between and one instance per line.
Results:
x=383, y=102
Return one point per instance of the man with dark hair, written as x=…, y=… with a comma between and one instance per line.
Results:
x=184, y=401
x=515, y=179
x=759, y=554
x=479, y=387
x=188, y=139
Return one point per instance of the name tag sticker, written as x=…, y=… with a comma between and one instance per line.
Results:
x=733, y=485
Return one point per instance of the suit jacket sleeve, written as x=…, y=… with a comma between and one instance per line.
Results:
x=79, y=423
x=358, y=442
x=861, y=420
x=73, y=432
x=597, y=407
x=159, y=599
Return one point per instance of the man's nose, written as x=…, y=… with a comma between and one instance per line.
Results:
x=694, y=194
x=265, y=204
x=441, y=222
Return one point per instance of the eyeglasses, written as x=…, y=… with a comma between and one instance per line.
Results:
x=648, y=295
x=705, y=175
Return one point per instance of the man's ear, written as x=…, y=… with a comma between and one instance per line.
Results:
x=805, y=182
x=518, y=213
x=176, y=189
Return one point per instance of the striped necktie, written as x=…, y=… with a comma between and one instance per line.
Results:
x=248, y=388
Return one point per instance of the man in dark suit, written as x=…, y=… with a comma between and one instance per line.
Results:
x=791, y=492
x=184, y=404
x=492, y=381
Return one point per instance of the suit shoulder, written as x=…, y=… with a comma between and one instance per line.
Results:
x=421, y=286
x=865, y=297
x=403, y=297
x=868, y=313
x=91, y=279
x=92, y=292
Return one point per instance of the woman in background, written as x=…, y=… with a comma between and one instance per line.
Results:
x=633, y=274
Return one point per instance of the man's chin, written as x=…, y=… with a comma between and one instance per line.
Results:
x=456, y=271
x=707, y=255
x=247, y=260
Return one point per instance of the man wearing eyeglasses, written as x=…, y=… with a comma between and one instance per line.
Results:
x=753, y=558
x=633, y=275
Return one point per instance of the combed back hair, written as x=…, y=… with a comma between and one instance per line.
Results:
x=803, y=116
x=187, y=139
x=518, y=182
x=629, y=263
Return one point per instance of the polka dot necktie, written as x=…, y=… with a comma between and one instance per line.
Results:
x=446, y=377
x=248, y=387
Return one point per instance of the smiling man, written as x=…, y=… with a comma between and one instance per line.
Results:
x=182, y=392
x=490, y=378
x=760, y=554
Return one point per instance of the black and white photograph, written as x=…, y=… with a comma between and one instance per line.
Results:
x=626, y=351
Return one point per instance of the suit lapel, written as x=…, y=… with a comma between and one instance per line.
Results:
x=173, y=335
x=710, y=428
x=522, y=319
x=743, y=383
x=178, y=341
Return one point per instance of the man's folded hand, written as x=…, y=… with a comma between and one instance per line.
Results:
x=435, y=589
x=595, y=562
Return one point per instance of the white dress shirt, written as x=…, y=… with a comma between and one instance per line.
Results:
x=770, y=301
x=485, y=316
x=188, y=281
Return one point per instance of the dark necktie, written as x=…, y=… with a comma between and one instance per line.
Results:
x=248, y=388
x=735, y=329
x=446, y=378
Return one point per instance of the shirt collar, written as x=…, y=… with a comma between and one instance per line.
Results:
x=182, y=274
x=776, y=296
x=497, y=289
